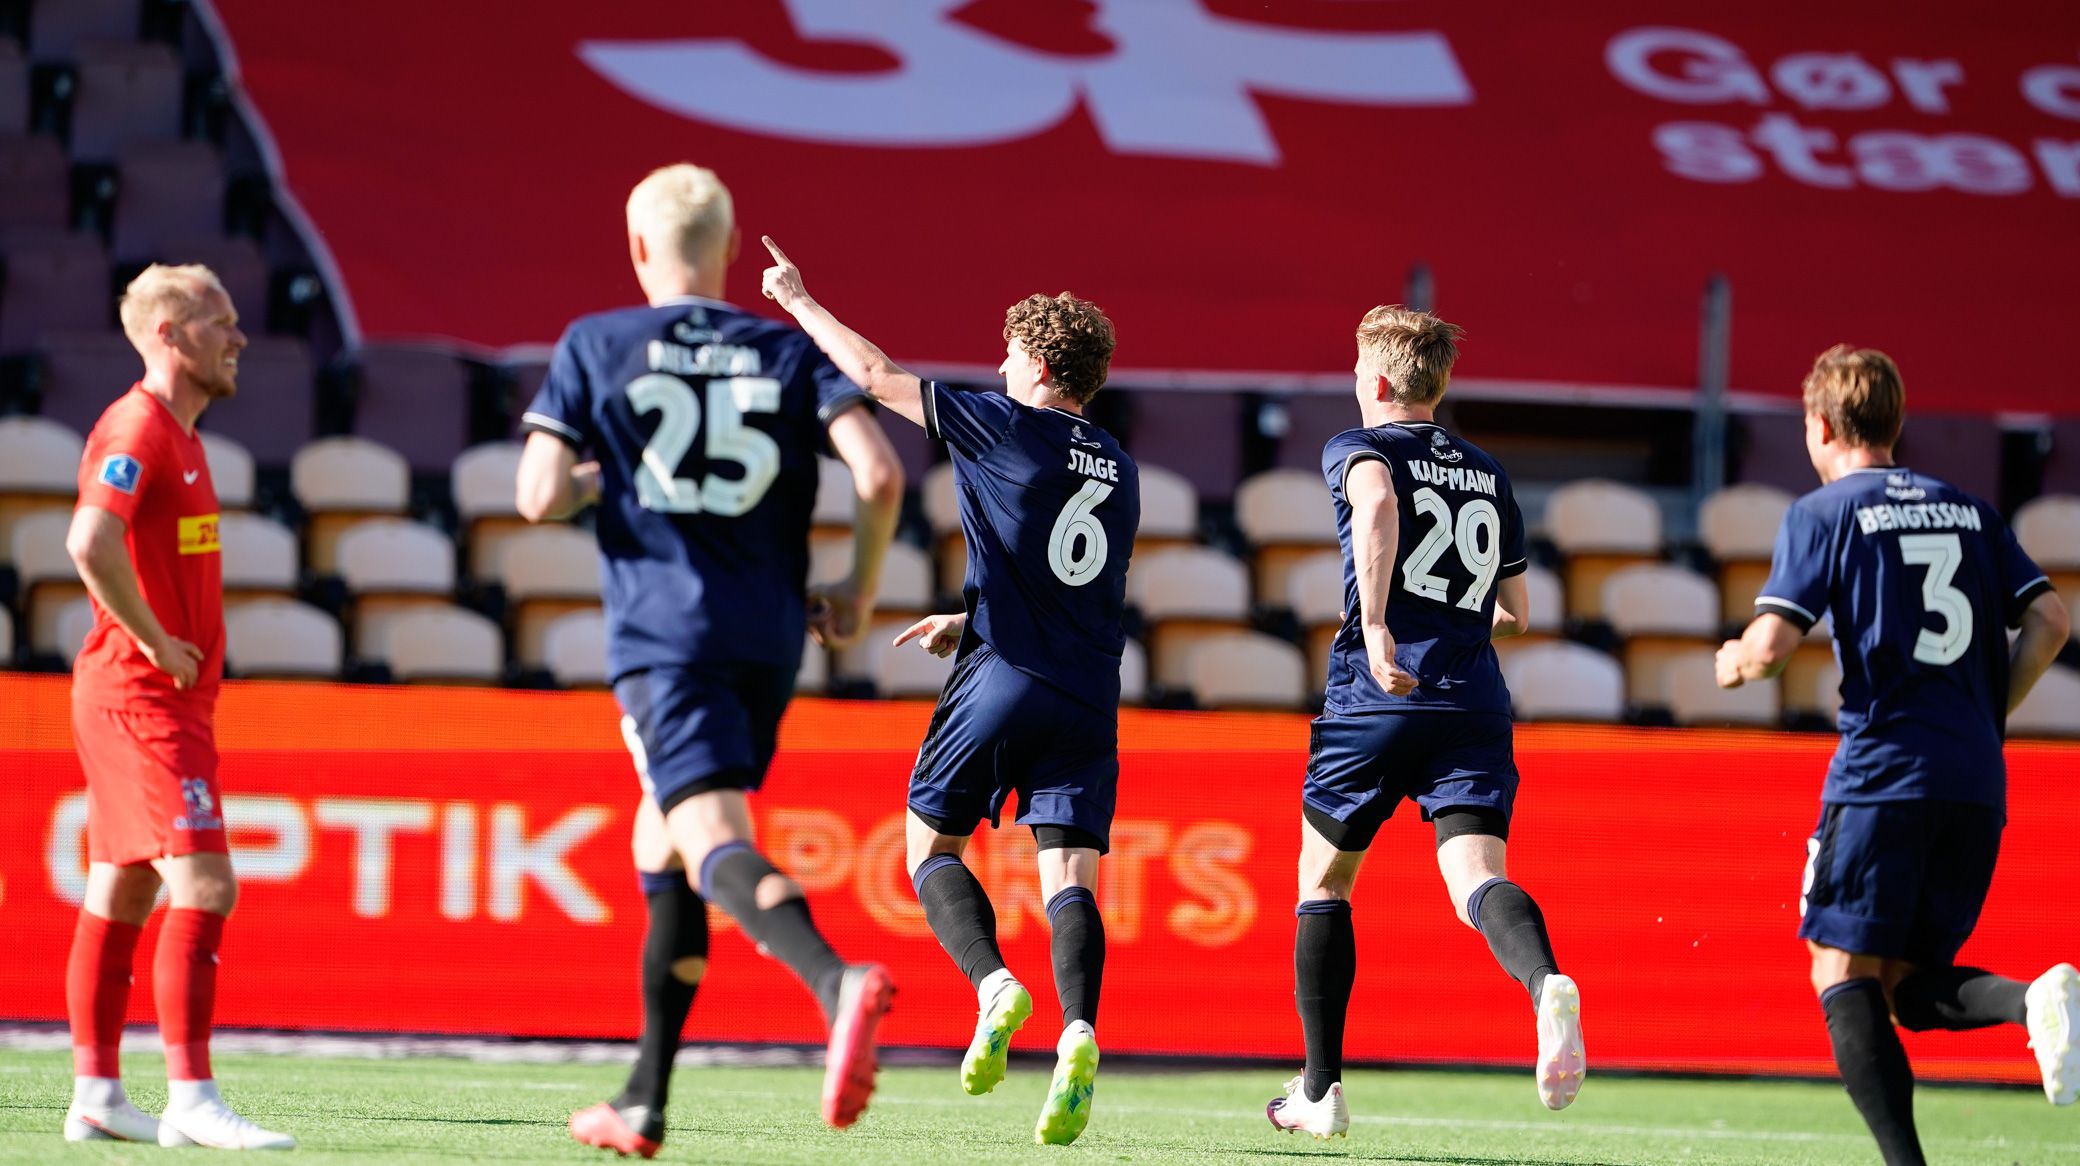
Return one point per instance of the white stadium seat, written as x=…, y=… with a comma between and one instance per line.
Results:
x=281, y=638
x=1169, y=509
x=1285, y=515
x=547, y=572
x=445, y=644
x=834, y=496
x=1600, y=526
x=1133, y=672
x=340, y=481
x=2049, y=529
x=575, y=647
x=230, y=470
x=1248, y=670
x=1660, y=600
x=390, y=566
x=1547, y=601
x=814, y=676
x=6, y=638
x=942, y=513
x=908, y=670
x=2052, y=708
x=1738, y=525
x=259, y=556
x=1314, y=590
x=45, y=574
x=906, y=594
x=1186, y=594
x=39, y=470
x=1564, y=681
x=483, y=481
x=1696, y=698
x=1815, y=690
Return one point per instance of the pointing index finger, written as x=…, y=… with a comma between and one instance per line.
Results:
x=779, y=256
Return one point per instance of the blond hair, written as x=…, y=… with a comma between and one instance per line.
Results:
x=168, y=293
x=1413, y=350
x=1858, y=392
x=683, y=209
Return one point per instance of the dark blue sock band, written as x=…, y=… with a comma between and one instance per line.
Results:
x=708, y=864
x=656, y=882
x=1473, y=901
x=1859, y=984
x=930, y=867
x=1323, y=907
x=1068, y=895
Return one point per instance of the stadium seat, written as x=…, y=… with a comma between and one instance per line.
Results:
x=1169, y=510
x=1547, y=615
x=1664, y=612
x=341, y=481
x=831, y=518
x=14, y=115
x=547, y=572
x=2052, y=708
x=60, y=27
x=483, y=481
x=39, y=471
x=1186, y=594
x=1248, y=670
x=1695, y=698
x=1314, y=590
x=1812, y=687
x=1738, y=526
x=1601, y=527
x=55, y=283
x=415, y=399
x=1133, y=672
x=6, y=638
x=168, y=191
x=906, y=594
x=391, y=566
x=73, y=622
x=275, y=410
x=907, y=671
x=230, y=470
x=282, y=639
x=1286, y=515
x=124, y=93
x=445, y=645
x=45, y=574
x=814, y=676
x=2049, y=529
x=35, y=175
x=84, y=373
x=942, y=513
x=259, y=557
x=575, y=646
x=1564, y=681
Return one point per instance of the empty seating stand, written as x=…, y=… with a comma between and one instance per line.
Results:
x=1601, y=527
x=39, y=471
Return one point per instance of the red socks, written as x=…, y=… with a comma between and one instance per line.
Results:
x=184, y=983
x=97, y=992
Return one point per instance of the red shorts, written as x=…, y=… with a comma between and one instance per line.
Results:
x=151, y=784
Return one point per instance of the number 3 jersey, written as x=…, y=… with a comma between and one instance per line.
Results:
x=1049, y=504
x=1461, y=533
x=1920, y=581
x=707, y=422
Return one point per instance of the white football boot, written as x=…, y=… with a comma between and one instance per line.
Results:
x=200, y=1118
x=1327, y=1117
x=101, y=1112
x=1561, y=1063
x=1002, y=1014
x=2052, y=1007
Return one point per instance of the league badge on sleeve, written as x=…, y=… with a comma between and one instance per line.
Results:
x=121, y=471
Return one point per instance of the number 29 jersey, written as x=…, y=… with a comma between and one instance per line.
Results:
x=1049, y=504
x=1461, y=533
x=1920, y=581
x=707, y=422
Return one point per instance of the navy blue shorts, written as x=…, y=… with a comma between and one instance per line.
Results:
x=998, y=731
x=692, y=729
x=1899, y=880
x=1359, y=767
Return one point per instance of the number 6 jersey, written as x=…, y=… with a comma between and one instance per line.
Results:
x=1921, y=582
x=1049, y=504
x=707, y=422
x=1461, y=533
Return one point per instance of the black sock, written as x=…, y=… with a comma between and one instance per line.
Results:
x=1079, y=953
x=1515, y=930
x=1325, y=963
x=1874, y=1067
x=960, y=914
x=678, y=931
x=729, y=878
x=1958, y=999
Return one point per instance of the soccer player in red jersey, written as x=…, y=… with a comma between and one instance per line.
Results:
x=144, y=691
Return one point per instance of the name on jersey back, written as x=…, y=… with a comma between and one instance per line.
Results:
x=1917, y=516
x=707, y=360
x=1453, y=477
x=1102, y=468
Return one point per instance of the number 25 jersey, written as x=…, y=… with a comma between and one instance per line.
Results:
x=1461, y=534
x=707, y=422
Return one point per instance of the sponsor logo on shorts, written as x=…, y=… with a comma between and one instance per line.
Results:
x=202, y=808
x=198, y=534
x=121, y=471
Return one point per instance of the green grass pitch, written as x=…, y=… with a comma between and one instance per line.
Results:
x=441, y=1111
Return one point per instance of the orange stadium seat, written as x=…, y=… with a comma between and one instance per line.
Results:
x=259, y=557
x=575, y=648
x=1248, y=670
x=482, y=482
x=39, y=471
x=1286, y=515
x=1186, y=594
x=392, y=566
x=547, y=572
x=281, y=639
x=1664, y=612
x=230, y=470
x=45, y=574
x=2052, y=708
x=1695, y=698
x=1601, y=527
x=445, y=645
x=1564, y=681
x=1169, y=510
x=1738, y=525
x=341, y=481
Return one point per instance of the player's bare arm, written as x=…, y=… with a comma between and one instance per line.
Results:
x=2046, y=624
x=845, y=608
x=1762, y=652
x=855, y=355
x=96, y=544
x=552, y=484
x=937, y=634
x=1512, y=608
x=1375, y=538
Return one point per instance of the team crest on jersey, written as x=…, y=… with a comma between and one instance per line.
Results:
x=121, y=471
x=1441, y=447
x=202, y=808
x=695, y=328
x=1076, y=435
x=1901, y=488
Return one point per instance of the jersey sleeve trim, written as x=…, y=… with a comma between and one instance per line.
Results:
x=1800, y=618
x=1510, y=570
x=830, y=410
x=543, y=423
x=2026, y=596
x=929, y=398
x=1343, y=476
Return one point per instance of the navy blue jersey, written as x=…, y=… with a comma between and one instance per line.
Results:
x=1921, y=581
x=1049, y=504
x=707, y=422
x=1461, y=533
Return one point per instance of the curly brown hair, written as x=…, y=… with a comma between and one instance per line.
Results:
x=1072, y=335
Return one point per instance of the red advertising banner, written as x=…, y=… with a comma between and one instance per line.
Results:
x=455, y=861
x=1235, y=182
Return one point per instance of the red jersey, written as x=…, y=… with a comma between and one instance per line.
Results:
x=142, y=467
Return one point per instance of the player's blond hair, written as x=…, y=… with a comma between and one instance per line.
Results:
x=161, y=292
x=1413, y=350
x=684, y=209
x=1858, y=392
